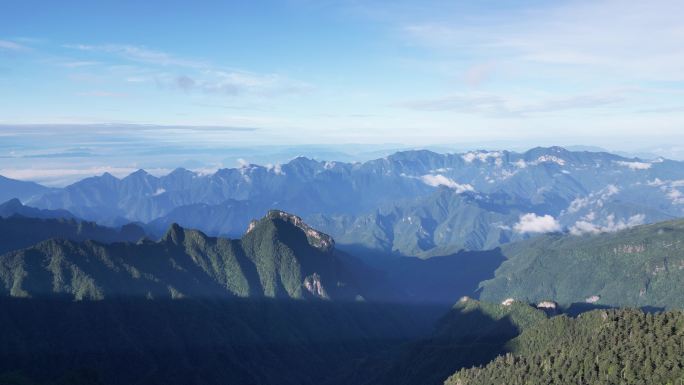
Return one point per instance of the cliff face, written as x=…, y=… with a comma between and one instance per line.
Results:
x=318, y=239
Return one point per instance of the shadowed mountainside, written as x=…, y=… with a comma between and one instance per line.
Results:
x=138, y=341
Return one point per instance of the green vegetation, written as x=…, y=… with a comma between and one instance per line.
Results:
x=641, y=266
x=280, y=257
x=600, y=347
x=191, y=308
x=472, y=333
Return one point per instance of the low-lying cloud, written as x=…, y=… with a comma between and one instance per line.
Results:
x=437, y=180
x=533, y=223
x=611, y=225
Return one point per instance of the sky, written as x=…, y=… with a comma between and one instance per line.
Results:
x=87, y=86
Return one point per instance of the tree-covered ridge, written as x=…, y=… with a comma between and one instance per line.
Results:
x=279, y=257
x=641, y=266
x=600, y=347
x=471, y=333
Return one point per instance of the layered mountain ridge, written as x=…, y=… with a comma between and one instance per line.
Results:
x=279, y=257
x=404, y=204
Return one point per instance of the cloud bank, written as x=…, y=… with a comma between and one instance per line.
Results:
x=532, y=223
x=437, y=180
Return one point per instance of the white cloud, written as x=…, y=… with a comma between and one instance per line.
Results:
x=644, y=40
x=482, y=156
x=441, y=180
x=585, y=226
x=515, y=105
x=199, y=75
x=520, y=163
x=275, y=168
x=532, y=223
x=79, y=64
x=11, y=46
x=675, y=196
x=239, y=82
x=635, y=165
x=549, y=159
x=670, y=188
x=597, y=198
x=577, y=204
x=609, y=191
x=140, y=54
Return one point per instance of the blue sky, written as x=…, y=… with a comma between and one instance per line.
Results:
x=107, y=78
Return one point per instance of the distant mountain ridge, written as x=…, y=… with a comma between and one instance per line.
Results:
x=18, y=232
x=407, y=201
x=15, y=207
x=11, y=188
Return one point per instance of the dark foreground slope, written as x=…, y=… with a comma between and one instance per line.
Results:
x=641, y=266
x=238, y=341
x=472, y=333
x=278, y=306
x=599, y=347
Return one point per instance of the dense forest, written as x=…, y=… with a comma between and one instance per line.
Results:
x=282, y=305
x=599, y=347
x=640, y=266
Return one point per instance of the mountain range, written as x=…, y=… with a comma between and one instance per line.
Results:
x=175, y=280
x=405, y=204
x=282, y=304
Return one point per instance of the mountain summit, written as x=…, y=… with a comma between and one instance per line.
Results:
x=279, y=257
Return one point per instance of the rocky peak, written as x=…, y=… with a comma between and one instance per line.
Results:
x=139, y=172
x=547, y=305
x=315, y=287
x=109, y=177
x=175, y=234
x=317, y=239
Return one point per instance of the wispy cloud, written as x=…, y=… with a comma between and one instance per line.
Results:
x=140, y=54
x=8, y=45
x=190, y=75
x=617, y=38
x=237, y=83
x=491, y=104
x=78, y=64
x=103, y=94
